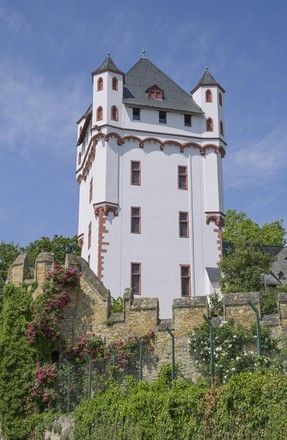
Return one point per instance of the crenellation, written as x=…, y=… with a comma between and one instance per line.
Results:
x=89, y=310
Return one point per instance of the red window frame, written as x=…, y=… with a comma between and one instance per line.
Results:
x=90, y=235
x=114, y=113
x=135, y=220
x=91, y=190
x=208, y=95
x=136, y=278
x=100, y=84
x=183, y=224
x=135, y=172
x=209, y=124
x=114, y=83
x=182, y=177
x=99, y=113
x=185, y=280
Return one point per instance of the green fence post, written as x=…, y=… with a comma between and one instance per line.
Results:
x=68, y=385
x=141, y=358
x=211, y=338
x=90, y=375
x=172, y=353
x=259, y=347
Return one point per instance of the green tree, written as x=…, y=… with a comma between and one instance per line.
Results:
x=238, y=229
x=58, y=245
x=246, y=260
x=8, y=254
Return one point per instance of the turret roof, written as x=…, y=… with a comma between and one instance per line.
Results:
x=109, y=65
x=143, y=76
x=207, y=80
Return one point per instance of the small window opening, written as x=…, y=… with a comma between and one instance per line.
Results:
x=209, y=124
x=136, y=114
x=208, y=96
x=99, y=113
x=100, y=85
x=162, y=117
x=187, y=120
x=114, y=84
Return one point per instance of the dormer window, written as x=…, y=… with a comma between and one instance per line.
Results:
x=187, y=120
x=155, y=92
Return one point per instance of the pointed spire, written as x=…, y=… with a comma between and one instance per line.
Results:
x=109, y=65
x=206, y=80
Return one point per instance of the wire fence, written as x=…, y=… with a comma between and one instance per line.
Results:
x=77, y=382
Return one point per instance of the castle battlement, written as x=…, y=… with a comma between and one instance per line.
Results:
x=90, y=310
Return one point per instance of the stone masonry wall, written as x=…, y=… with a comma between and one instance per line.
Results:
x=90, y=310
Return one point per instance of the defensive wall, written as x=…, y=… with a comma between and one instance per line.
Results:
x=90, y=310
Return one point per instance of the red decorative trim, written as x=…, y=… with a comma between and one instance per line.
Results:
x=81, y=240
x=87, y=161
x=101, y=212
x=106, y=207
x=218, y=231
x=216, y=217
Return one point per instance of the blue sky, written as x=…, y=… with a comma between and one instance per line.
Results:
x=48, y=50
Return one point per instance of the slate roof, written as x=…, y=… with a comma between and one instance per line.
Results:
x=109, y=65
x=214, y=274
x=207, y=80
x=144, y=75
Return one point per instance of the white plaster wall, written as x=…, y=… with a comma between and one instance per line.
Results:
x=149, y=122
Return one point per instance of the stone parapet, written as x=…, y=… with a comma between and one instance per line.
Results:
x=236, y=307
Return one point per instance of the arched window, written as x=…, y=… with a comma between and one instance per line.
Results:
x=79, y=158
x=209, y=124
x=100, y=84
x=114, y=113
x=114, y=83
x=99, y=113
x=208, y=96
x=220, y=99
x=221, y=128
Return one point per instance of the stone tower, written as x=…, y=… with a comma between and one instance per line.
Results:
x=151, y=193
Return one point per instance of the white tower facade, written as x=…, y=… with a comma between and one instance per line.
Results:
x=151, y=192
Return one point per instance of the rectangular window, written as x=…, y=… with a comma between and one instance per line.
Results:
x=185, y=280
x=135, y=220
x=182, y=177
x=91, y=191
x=136, y=278
x=135, y=172
x=162, y=117
x=183, y=224
x=90, y=235
x=136, y=114
x=187, y=120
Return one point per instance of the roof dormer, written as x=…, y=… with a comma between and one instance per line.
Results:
x=155, y=92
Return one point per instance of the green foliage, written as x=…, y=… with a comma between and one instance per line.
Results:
x=232, y=345
x=268, y=301
x=216, y=304
x=58, y=245
x=242, y=268
x=8, y=254
x=17, y=361
x=245, y=262
x=239, y=228
x=117, y=305
x=140, y=411
x=249, y=407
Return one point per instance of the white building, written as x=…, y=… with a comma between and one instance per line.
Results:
x=151, y=194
